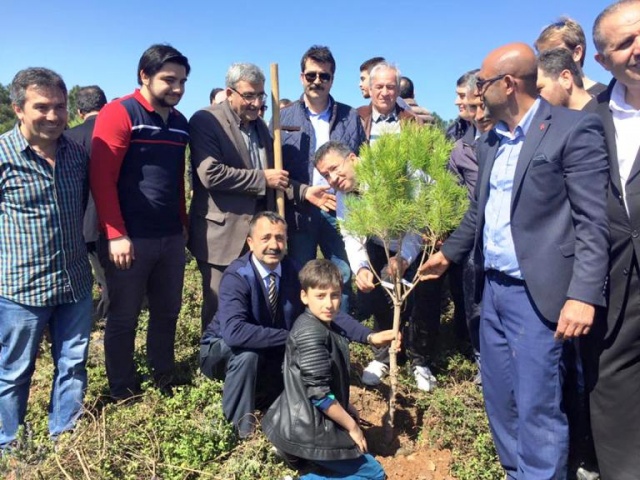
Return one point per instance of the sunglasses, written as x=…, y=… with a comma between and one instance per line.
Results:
x=311, y=76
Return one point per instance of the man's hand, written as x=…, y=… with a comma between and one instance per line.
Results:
x=576, y=318
x=121, y=252
x=397, y=264
x=364, y=280
x=317, y=195
x=385, y=337
x=434, y=267
x=276, y=179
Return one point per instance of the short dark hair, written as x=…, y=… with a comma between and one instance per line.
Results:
x=320, y=273
x=464, y=78
x=320, y=54
x=406, y=88
x=285, y=102
x=369, y=64
x=154, y=58
x=273, y=217
x=335, y=146
x=214, y=92
x=34, y=77
x=553, y=62
x=90, y=99
x=568, y=31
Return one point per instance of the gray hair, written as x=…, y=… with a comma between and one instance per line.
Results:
x=247, y=72
x=34, y=77
x=470, y=83
x=384, y=66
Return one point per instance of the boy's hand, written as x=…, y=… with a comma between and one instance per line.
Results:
x=357, y=436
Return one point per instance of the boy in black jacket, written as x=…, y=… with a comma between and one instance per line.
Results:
x=312, y=419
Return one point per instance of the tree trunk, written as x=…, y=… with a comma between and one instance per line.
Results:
x=393, y=364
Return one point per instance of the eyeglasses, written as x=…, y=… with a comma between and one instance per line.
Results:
x=311, y=76
x=333, y=170
x=251, y=97
x=482, y=84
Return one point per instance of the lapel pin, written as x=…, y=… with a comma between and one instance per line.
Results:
x=542, y=126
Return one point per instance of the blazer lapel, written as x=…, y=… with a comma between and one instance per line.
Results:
x=537, y=130
x=610, y=137
x=238, y=139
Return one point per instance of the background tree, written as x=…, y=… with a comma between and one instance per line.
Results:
x=405, y=187
x=72, y=107
x=7, y=117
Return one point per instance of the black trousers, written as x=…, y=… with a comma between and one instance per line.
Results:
x=420, y=316
x=252, y=379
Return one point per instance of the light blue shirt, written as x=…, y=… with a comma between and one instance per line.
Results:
x=499, y=251
x=265, y=272
x=322, y=132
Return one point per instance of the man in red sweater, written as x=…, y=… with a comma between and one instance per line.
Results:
x=137, y=181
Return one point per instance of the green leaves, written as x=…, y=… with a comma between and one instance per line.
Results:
x=405, y=187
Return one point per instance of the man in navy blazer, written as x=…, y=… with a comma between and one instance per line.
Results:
x=244, y=343
x=539, y=234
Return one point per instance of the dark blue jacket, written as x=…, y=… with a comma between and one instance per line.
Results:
x=244, y=318
x=299, y=143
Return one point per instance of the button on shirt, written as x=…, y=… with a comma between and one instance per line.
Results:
x=626, y=120
x=499, y=251
x=322, y=132
x=43, y=258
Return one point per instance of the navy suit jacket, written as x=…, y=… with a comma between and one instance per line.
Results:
x=558, y=209
x=244, y=318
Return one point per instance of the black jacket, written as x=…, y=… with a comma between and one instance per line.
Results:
x=316, y=363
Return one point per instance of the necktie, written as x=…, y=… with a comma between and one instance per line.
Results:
x=273, y=294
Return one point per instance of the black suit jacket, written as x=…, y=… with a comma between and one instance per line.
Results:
x=625, y=227
x=558, y=209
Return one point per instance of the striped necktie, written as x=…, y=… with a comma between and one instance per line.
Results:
x=273, y=294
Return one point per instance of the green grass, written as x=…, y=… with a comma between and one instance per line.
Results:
x=186, y=436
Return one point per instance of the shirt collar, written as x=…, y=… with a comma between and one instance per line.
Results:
x=23, y=144
x=323, y=115
x=522, y=128
x=263, y=270
x=618, y=103
x=376, y=116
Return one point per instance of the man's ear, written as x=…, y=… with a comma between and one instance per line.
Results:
x=303, y=297
x=577, y=54
x=602, y=60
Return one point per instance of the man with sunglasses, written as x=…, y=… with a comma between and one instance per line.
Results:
x=538, y=231
x=306, y=125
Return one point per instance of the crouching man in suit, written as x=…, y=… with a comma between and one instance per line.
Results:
x=258, y=302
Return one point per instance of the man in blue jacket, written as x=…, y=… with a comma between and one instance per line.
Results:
x=306, y=125
x=259, y=299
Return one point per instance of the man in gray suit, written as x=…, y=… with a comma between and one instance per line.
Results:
x=233, y=178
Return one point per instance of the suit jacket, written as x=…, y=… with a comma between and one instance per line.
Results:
x=366, y=117
x=244, y=318
x=82, y=135
x=624, y=227
x=226, y=187
x=558, y=209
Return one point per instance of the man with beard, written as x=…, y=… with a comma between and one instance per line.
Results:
x=538, y=230
x=258, y=303
x=306, y=125
x=137, y=181
x=559, y=80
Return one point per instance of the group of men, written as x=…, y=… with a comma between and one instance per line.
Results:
x=544, y=259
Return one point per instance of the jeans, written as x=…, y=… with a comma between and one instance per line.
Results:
x=21, y=330
x=365, y=467
x=322, y=231
x=158, y=271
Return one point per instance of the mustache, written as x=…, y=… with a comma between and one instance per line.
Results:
x=273, y=251
x=313, y=86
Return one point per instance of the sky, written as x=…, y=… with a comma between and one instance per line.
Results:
x=431, y=41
